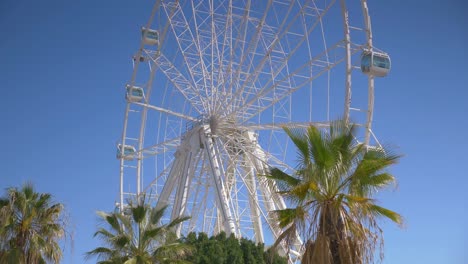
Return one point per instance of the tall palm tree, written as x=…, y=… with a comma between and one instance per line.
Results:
x=330, y=193
x=136, y=237
x=31, y=226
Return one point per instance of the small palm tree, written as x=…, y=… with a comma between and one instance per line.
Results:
x=331, y=195
x=138, y=238
x=31, y=226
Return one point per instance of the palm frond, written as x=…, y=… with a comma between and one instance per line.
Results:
x=103, y=233
x=152, y=233
x=279, y=175
x=289, y=215
x=300, y=141
x=378, y=210
x=112, y=219
x=139, y=213
x=121, y=240
x=303, y=191
x=157, y=214
x=318, y=150
x=100, y=252
x=177, y=221
x=357, y=199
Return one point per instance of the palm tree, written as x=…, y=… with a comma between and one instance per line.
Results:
x=31, y=226
x=136, y=237
x=331, y=194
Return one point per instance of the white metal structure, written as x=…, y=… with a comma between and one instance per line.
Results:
x=220, y=78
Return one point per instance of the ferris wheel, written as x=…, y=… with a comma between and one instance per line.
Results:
x=213, y=84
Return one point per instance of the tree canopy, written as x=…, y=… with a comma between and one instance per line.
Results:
x=220, y=249
x=31, y=227
x=330, y=194
x=139, y=237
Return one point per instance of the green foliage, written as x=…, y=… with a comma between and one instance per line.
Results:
x=31, y=226
x=331, y=195
x=221, y=249
x=139, y=238
x=251, y=252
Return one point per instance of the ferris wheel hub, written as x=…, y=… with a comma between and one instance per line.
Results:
x=214, y=124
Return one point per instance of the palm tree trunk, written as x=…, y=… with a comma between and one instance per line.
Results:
x=333, y=229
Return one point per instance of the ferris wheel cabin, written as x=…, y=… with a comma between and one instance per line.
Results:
x=126, y=152
x=150, y=36
x=375, y=63
x=134, y=94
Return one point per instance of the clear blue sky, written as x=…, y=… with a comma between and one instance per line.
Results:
x=64, y=65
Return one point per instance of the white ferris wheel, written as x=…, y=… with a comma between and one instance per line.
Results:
x=213, y=84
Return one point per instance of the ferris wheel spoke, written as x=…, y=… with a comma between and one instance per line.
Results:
x=278, y=91
x=187, y=43
x=206, y=37
x=179, y=81
x=161, y=147
x=202, y=18
x=252, y=45
x=166, y=111
x=224, y=36
x=280, y=126
x=271, y=39
x=281, y=62
x=239, y=44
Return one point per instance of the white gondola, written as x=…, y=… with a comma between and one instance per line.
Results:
x=128, y=152
x=375, y=63
x=150, y=36
x=134, y=93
